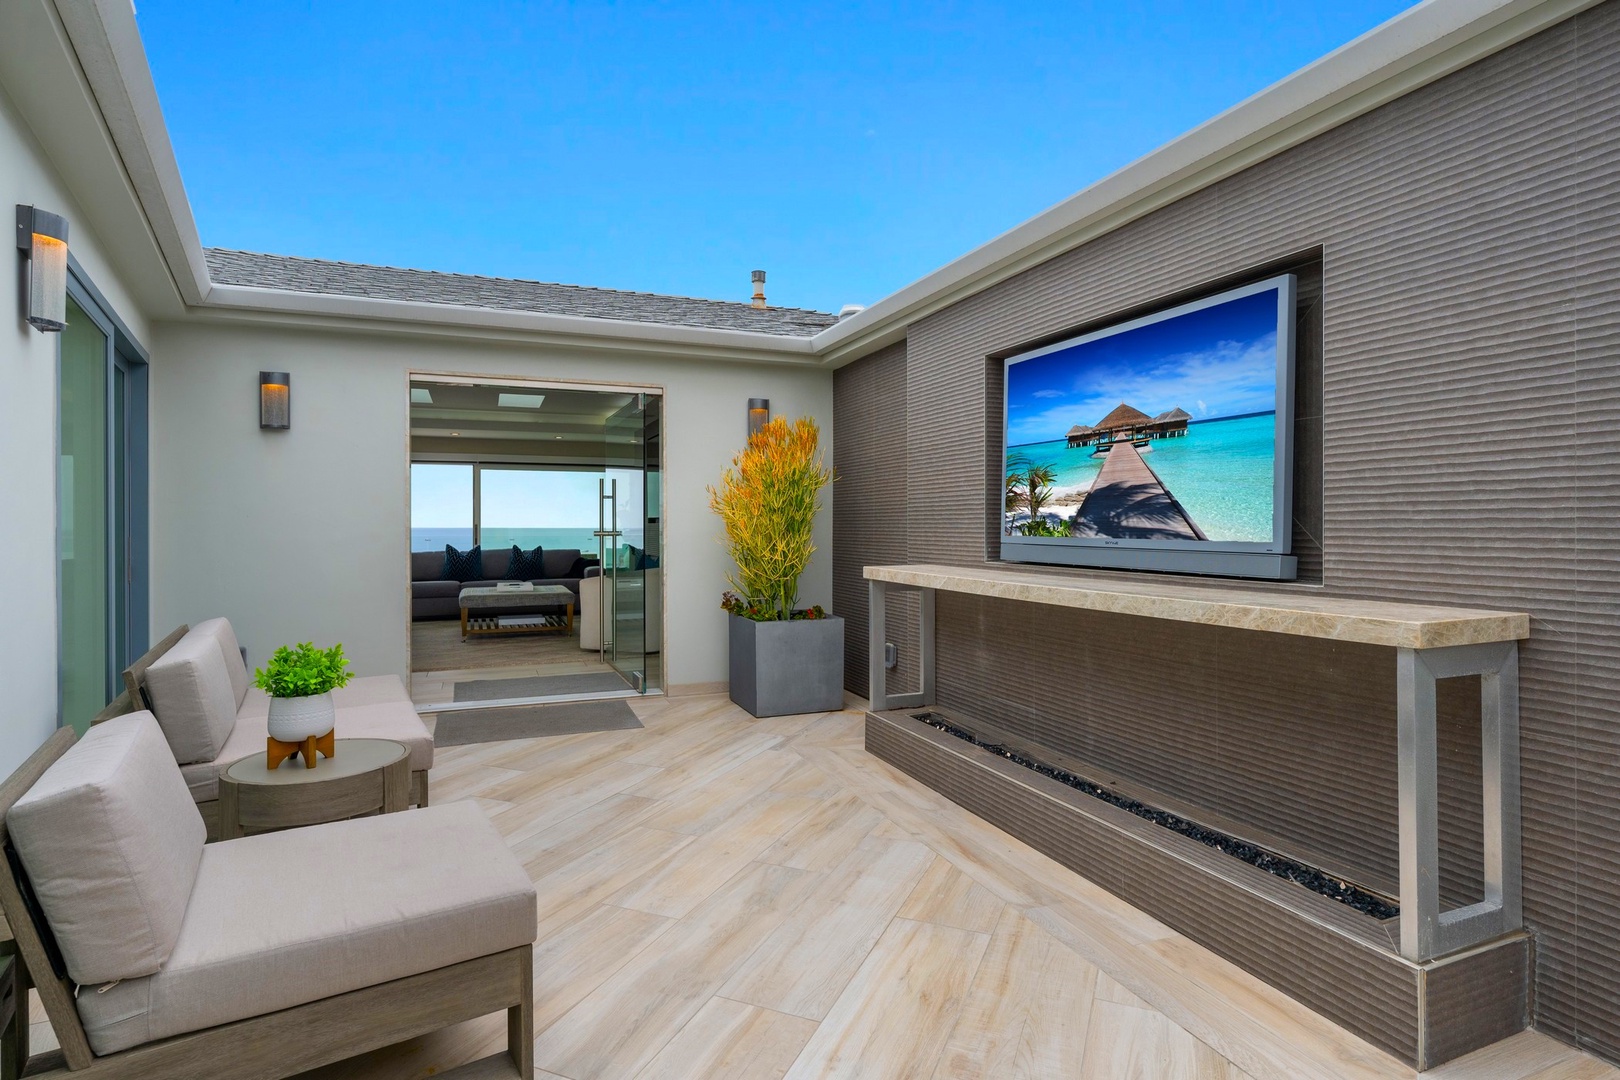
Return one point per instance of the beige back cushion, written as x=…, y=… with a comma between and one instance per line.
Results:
x=220, y=630
x=192, y=695
x=111, y=841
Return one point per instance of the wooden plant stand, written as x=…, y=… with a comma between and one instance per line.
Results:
x=276, y=751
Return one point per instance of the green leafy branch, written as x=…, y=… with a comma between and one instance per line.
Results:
x=303, y=671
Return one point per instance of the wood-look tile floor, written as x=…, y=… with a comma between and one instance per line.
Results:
x=723, y=897
x=440, y=659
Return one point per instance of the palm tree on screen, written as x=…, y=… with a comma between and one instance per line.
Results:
x=1029, y=485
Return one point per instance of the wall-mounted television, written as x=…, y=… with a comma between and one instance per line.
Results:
x=1161, y=443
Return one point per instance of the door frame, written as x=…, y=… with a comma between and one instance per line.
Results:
x=417, y=375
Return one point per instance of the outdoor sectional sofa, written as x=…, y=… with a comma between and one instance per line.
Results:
x=195, y=681
x=433, y=596
x=261, y=957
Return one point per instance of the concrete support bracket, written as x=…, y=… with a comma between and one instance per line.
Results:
x=880, y=696
x=1427, y=931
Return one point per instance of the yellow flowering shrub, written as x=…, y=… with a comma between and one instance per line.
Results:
x=768, y=501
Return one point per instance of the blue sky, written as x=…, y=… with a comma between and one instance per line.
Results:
x=847, y=149
x=1219, y=361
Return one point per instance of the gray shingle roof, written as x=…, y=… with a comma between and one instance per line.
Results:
x=248, y=268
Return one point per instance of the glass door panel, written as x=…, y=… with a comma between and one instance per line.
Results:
x=650, y=578
x=624, y=563
x=84, y=559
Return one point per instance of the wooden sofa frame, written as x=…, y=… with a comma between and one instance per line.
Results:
x=277, y=1044
x=134, y=698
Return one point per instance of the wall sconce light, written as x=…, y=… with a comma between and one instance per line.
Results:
x=759, y=414
x=43, y=236
x=275, y=400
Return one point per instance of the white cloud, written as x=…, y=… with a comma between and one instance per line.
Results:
x=1047, y=394
x=1230, y=378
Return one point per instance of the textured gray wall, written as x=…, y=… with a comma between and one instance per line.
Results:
x=1469, y=453
x=869, y=457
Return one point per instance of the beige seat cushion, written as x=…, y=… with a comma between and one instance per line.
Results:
x=285, y=918
x=370, y=708
x=193, y=697
x=220, y=630
x=111, y=841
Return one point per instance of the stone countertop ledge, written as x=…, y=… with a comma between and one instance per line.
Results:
x=1370, y=622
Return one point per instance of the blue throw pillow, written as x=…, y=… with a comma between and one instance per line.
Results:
x=463, y=565
x=526, y=565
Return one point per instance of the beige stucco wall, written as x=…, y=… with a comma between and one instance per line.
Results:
x=28, y=467
x=303, y=534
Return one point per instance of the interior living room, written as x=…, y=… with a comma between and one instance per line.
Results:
x=1174, y=638
x=535, y=555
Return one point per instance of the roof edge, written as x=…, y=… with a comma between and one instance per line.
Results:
x=1416, y=47
x=578, y=330
x=107, y=41
x=223, y=251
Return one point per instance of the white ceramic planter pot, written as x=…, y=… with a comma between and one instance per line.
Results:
x=294, y=719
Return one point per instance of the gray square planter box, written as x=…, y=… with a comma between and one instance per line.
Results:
x=779, y=668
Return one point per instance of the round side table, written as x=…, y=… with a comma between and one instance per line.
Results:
x=362, y=776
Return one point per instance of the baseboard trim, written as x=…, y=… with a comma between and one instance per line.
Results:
x=697, y=689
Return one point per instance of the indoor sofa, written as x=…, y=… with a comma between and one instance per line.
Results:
x=196, y=683
x=433, y=596
x=261, y=957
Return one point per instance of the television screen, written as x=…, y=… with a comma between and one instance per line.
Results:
x=1162, y=443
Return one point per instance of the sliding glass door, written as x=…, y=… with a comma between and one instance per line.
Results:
x=82, y=520
x=100, y=524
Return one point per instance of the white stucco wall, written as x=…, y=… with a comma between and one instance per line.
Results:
x=28, y=632
x=303, y=534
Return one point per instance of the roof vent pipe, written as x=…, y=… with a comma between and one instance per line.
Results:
x=759, y=288
x=850, y=309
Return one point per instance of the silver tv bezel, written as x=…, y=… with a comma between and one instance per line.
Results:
x=1265, y=559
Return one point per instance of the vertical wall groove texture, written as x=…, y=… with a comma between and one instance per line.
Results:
x=869, y=457
x=1469, y=454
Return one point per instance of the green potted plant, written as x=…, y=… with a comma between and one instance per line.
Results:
x=784, y=658
x=300, y=682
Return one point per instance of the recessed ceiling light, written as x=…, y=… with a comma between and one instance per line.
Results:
x=455, y=433
x=420, y=395
x=556, y=436
x=520, y=401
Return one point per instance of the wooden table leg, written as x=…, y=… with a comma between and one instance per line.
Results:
x=397, y=786
x=463, y=624
x=230, y=818
x=570, y=616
